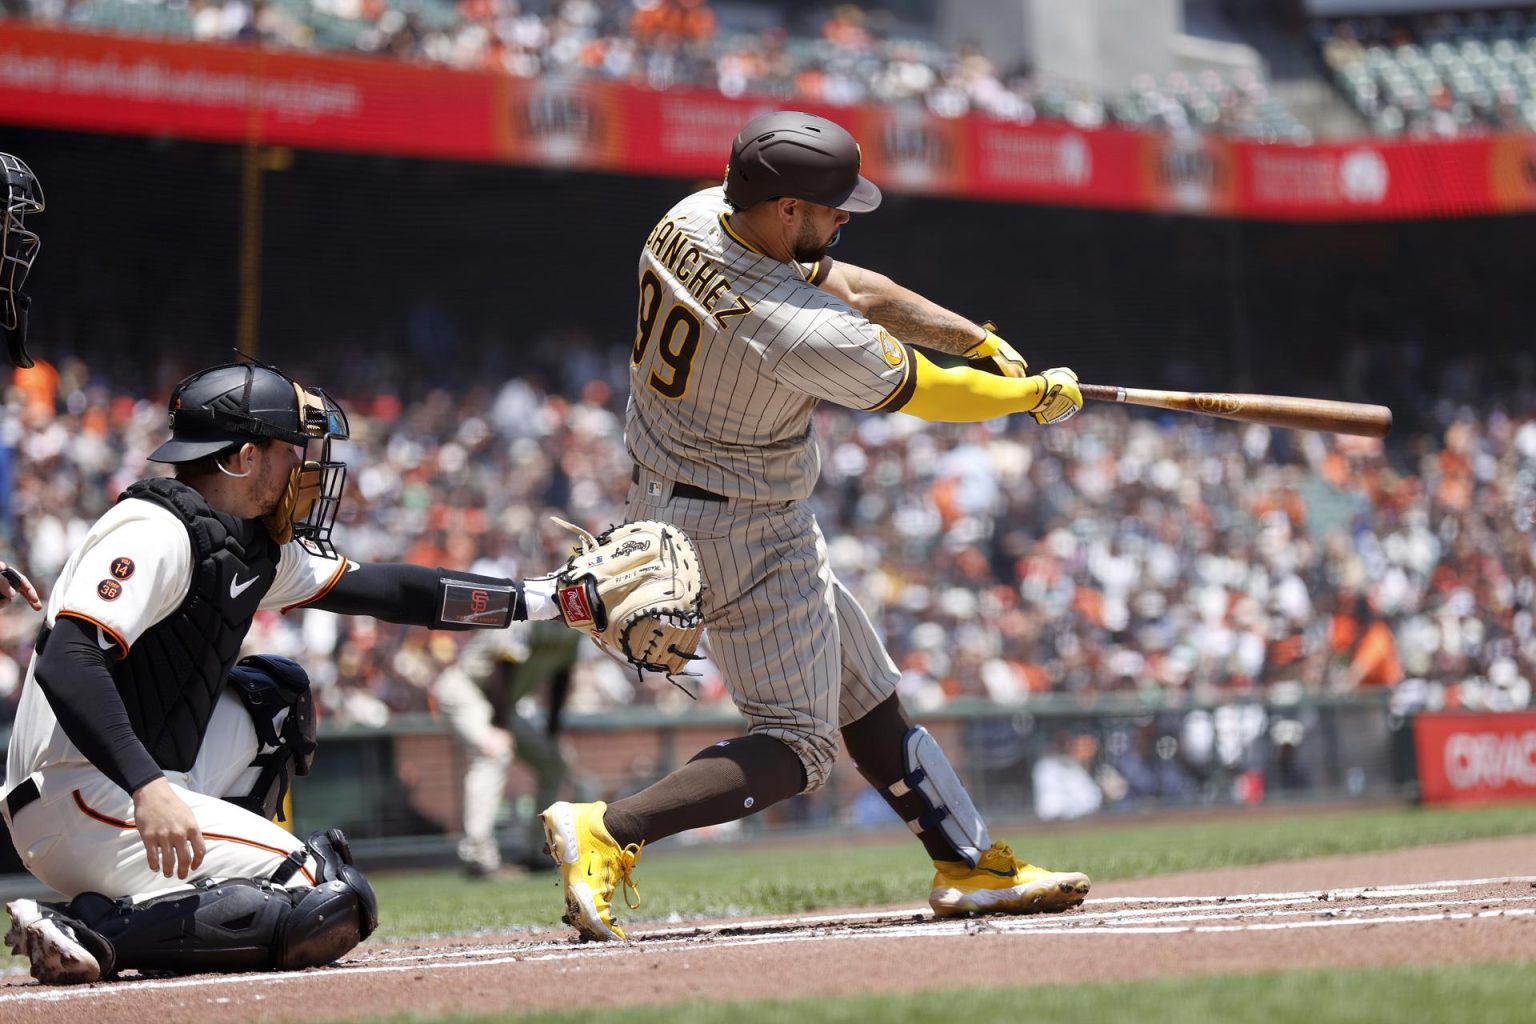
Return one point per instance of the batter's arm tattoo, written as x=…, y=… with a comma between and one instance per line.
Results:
x=906, y=314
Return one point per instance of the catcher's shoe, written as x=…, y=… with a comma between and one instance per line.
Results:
x=62, y=950
x=591, y=866
x=1000, y=883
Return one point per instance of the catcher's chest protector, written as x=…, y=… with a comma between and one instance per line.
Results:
x=172, y=678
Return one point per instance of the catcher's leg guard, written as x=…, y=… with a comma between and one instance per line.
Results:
x=241, y=924
x=333, y=917
x=213, y=926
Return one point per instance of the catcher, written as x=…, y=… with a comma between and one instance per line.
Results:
x=146, y=762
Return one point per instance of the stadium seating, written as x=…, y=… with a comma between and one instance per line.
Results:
x=1445, y=75
x=1240, y=104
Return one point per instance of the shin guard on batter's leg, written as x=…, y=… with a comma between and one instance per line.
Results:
x=908, y=768
x=972, y=874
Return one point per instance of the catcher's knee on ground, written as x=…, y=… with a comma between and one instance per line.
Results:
x=240, y=924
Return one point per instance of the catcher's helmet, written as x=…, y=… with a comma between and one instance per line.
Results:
x=802, y=156
x=221, y=408
x=225, y=406
x=228, y=406
x=18, y=248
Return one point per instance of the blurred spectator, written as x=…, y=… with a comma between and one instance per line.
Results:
x=1062, y=780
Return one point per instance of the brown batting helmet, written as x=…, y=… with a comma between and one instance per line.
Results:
x=789, y=153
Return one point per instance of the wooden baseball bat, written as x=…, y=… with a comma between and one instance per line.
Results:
x=1271, y=410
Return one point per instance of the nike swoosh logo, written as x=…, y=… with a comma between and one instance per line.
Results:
x=102, y=641
x=236, y=588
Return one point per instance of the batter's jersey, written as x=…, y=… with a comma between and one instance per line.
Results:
x=733, y=349
x=134, y=569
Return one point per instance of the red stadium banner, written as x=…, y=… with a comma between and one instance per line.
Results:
x=1365, y=180
x=1191, y=174
x=1475, y=758
x=1512, y=172
x=221, y=93
x=682, y=133
x=1056, y=164
x=908, y=150
x=232, y=93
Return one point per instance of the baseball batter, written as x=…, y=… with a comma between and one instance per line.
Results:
x=146, y=763
x=744, y=325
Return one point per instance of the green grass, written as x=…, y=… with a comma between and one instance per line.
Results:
x=1485, y=993
x=781, y=877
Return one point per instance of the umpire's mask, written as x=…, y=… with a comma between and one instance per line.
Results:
x=18, y=248
x=216, y=410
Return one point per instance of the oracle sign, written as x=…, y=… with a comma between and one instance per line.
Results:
x=1476, y=757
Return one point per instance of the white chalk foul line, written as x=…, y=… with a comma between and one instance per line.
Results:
x=1169, y=915
x=1080, y=921
x=918, y=913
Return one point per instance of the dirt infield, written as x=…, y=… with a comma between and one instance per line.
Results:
x=1458, y=903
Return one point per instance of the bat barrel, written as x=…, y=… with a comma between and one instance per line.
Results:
x=1287, y=411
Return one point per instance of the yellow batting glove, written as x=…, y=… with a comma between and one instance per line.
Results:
x=1060, y=398
x=1006, y=361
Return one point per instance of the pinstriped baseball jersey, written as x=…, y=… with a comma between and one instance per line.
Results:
x=733, y=349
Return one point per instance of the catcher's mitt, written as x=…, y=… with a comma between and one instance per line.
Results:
x=638, y=590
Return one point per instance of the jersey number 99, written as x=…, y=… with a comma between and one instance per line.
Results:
x=678, y=342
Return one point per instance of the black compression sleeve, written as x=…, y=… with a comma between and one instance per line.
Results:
x=74, y=675
x=414, y=595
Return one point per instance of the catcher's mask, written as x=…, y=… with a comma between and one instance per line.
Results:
x=215, y=411
x=18, y=248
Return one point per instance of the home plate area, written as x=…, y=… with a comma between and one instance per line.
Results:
x=1119, y=937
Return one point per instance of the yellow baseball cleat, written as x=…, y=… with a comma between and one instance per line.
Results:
x=591, y=865
x=1000, y=883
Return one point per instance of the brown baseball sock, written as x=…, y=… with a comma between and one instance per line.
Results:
x=730, y=780
x=875, y=742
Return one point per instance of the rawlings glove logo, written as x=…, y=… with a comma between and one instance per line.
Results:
x=574, y=607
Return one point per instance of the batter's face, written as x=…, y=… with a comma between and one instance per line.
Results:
x=818, y=229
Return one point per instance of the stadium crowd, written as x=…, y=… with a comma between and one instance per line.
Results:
x=852, y=56
x=1162, y=561
x=1436, y=75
